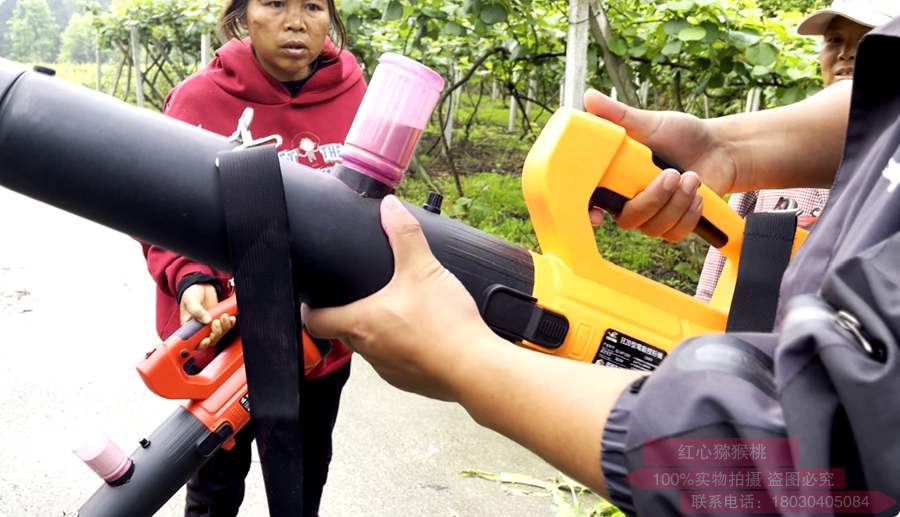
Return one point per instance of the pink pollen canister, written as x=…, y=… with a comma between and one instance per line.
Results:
x=397, y=105
x=103, y=456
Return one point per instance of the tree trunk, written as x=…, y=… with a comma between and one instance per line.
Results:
x=205, y=54
x=532, y=90
x=136, y=59
x=98, y=56
x=474, y=112
x=676, y=86
x=511, y=126
x=576, y=53
x=618, y=69
x=416, y=168
x=452, y=106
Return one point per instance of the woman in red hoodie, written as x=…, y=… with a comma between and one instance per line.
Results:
x=306, y=90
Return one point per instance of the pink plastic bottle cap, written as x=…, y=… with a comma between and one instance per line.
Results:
x=103, y=456
x=397, y=106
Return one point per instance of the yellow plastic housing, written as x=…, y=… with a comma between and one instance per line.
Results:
x=575, y=154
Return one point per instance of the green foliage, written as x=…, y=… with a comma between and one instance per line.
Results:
x=524, y=39
x=62, y=10
x=691, y=48
x=173, y=26
x=676, y=265
x=33, y=33
x=78, y=40
x=690, y=55
x=773, y=7
x=493, y=204
x=169, y=32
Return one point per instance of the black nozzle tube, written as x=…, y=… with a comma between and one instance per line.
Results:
x=175, y=450
x=155, y=179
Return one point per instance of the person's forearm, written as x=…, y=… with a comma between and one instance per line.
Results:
x=799, y=145
x=555, y=407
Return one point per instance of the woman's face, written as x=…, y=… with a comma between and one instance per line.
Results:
x=287, y=35
x=838, y=55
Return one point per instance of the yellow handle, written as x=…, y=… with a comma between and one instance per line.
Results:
x=613, y=313
x=631, y=170
x=576, y=153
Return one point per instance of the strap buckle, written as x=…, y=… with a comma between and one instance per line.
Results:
x=516, y=316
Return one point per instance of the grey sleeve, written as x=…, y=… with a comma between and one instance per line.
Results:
x=612, y=455
x=715, y=388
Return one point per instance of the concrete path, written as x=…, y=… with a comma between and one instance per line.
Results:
x=76, y=315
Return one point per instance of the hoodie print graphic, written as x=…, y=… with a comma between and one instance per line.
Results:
x=306, y=148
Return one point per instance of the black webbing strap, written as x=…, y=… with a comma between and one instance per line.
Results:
x=259, y=242
x=766, y=251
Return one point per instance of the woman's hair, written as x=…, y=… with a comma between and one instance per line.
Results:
x=236, y=11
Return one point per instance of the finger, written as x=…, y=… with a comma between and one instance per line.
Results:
x=215, y=329
x=410, y=247
x=196, y=310
x=204, y=343
x=687, y=223
x=676, y=208
x=650, y=201
x=227, y=323
x=596, y=216
x=329, y=322
x=638, y=123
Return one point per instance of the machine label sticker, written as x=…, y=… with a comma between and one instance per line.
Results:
x=245, y=402
x=620, y=351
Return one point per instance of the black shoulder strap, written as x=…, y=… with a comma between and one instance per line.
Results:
x=766, y=251
x=259, y=242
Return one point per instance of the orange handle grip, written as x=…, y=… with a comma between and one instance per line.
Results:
x=166, y=370
x=170, y=369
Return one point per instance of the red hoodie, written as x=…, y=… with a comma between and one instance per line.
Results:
x=312, y=125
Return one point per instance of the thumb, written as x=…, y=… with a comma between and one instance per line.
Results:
x=328, y=322
x=638, y=123
x=411, y=250
x=192, y=305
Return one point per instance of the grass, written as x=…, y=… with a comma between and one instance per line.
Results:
x=570, y=498
x=85, y=74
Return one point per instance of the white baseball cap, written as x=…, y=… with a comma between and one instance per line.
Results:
x=870, y=13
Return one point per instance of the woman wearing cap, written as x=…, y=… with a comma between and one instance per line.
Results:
x=841, y=27
x=304, y=89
